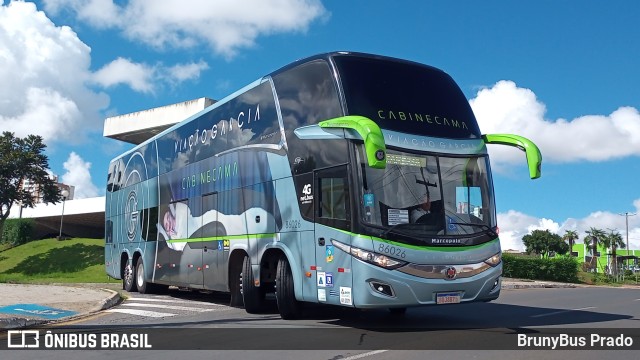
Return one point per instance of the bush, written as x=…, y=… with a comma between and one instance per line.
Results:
x=17, y=231
x=563, y=268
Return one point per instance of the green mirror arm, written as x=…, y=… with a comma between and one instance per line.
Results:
x=534, y=157
x=369, y=131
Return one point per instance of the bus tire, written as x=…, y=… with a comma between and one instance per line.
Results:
x=141, y=283
x=288, y=306
x=235, y=283
x=128, y=277
x=251, y=295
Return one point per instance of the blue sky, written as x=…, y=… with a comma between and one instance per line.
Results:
x=563, y=73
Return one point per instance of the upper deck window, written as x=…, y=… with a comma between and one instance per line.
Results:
x=406, y=97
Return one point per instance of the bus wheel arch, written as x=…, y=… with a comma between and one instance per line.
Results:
x=269, y=269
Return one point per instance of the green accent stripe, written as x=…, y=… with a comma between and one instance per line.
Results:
x=228, y=237
x=422, y=248
x=437, y=248
x=373, y=238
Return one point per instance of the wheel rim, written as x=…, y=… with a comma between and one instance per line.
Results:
x=128, y=277
x=140, y=275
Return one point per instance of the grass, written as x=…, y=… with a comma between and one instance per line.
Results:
x=52, y=261
x=602, y=279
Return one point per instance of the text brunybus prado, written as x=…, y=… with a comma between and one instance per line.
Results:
x=566, y=340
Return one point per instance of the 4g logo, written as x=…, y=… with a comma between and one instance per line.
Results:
x=306, y=197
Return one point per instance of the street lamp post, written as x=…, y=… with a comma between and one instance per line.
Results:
x=65, y=194
x=626, y=218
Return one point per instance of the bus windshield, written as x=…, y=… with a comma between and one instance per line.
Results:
x=420, y=196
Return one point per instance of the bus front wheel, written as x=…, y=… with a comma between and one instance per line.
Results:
x=288, y=306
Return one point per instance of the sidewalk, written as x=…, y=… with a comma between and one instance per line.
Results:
x=32, y=305
x=26, y=305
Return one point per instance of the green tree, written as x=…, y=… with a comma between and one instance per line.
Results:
x=544, y=242
x=613, y=240
x=594, y=238
x=23, y=159
x=570, y=236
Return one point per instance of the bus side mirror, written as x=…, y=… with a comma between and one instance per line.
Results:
x=369, y=131
x=534, y=157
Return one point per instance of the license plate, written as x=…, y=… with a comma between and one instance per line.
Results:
x=448, y=298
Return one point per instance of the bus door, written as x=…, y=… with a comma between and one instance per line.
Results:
x=186, y=259
x=112, y=209
x=213, y=243
x=332, y=215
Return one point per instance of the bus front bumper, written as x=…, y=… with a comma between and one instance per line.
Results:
x=375, y=287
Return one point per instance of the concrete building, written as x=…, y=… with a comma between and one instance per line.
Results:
x=85, y=217
x=139, y=126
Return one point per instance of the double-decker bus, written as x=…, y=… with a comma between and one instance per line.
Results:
x=345, y=178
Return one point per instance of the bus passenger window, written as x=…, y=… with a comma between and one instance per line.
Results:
x=333, y=198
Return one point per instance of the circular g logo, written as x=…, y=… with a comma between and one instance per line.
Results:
x=131, y=215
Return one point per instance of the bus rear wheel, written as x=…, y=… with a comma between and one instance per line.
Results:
x=128, y=277
x=252, y=297
x=288, y=306
x=141, y=283
x=145, y=287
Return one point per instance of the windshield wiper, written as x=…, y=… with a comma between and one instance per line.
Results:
x=393, y=227
x=483, y=226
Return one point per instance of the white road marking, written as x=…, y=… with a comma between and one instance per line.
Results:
x=172, y=301
x=562, y=312
x=360, y=356
x=168, y=307
x=140, y=312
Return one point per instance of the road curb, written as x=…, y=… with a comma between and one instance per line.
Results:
x=537, y=286
x=20, y=322
x=17, y=323
x=109, y=302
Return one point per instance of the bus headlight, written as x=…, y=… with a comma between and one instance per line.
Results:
x=369, y=256
x=494, y=260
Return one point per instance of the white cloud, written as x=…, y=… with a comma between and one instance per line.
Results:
x=183, y=72
x=507, y=108
x=78, y=175
x=514, y=225
x=225, y=26
x=123, y=71
x=146, y=78
x=43, y=70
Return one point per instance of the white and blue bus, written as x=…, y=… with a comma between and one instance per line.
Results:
x=345, y=178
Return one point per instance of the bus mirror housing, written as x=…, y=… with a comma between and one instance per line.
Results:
x=369, y=131
x=534, y=157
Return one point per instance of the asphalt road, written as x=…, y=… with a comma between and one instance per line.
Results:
x=474, y=331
